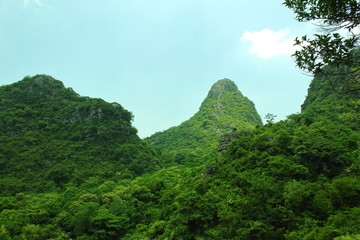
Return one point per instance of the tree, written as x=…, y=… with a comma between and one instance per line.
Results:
x=4, y=233
x=329, y=48
x=270, y=118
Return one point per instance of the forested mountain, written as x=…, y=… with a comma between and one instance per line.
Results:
x=51, y=137
x=291, y=180
x=195, y=141
x=296, y=179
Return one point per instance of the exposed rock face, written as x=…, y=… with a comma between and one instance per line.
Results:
x=227, y=138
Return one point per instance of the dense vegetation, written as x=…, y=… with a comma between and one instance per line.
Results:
x=295, y=179
x=51, y=138
x=73, y=167
x=195, y=141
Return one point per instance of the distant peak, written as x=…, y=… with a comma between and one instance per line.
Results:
x=43, y=85
x=45, y=81
x=221, y=86
x=225, y=84
x=39, y=82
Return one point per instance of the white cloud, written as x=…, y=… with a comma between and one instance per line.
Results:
x=267, y=43
x=27, y=2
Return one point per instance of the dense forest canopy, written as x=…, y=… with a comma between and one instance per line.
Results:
x=51, y=137
x=73, y=167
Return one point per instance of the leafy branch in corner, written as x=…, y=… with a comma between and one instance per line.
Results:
x=329, y=48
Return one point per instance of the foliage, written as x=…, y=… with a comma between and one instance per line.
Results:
x=270, y=118
x=294, y=179
x=194, y=141
x=58, y=138
x=328, y=48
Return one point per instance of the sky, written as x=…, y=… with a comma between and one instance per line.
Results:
x=157, y=58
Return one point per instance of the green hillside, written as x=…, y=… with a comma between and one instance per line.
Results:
x=223, y=110
x=291, y=180
x=51, y=137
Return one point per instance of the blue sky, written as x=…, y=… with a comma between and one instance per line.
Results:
x=157, y=58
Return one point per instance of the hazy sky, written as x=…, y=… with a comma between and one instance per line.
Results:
x=157, y=58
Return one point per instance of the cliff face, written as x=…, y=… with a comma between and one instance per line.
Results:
x=224, y=109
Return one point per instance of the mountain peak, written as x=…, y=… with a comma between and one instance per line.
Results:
x=40, y=81
x=34, y=89
x=223, y=97
x=224, y=109
x=223, y=85
x=226, y=84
